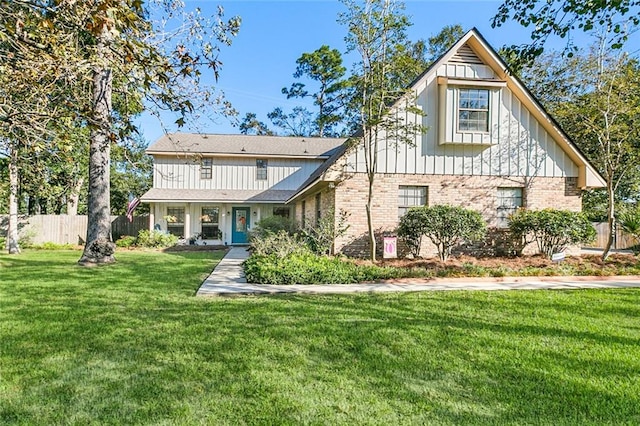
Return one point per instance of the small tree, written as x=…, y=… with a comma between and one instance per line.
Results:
x=552, y=230
x=321, y=235
x=377, y=32
x=446, y=226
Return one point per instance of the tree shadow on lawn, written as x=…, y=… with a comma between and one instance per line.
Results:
x=107, y=353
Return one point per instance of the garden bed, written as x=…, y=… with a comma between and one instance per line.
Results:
x=538, y=265
x=312, y=269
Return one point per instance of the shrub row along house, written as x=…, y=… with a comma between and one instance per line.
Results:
x=490, y=146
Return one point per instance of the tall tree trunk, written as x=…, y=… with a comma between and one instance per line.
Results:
x=372, y=235
x=99, y=248
x=74, y=197
x=611, y=219
x=12, y=233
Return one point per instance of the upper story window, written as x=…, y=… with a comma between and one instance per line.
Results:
x=509, y=200
x=411, y=196
x=473, y=110
x=469, y=111
x=261, y=167
x=206, y=168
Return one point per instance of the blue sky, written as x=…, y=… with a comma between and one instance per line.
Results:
x=273, y=34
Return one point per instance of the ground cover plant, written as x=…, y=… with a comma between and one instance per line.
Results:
x=307, y=268
x=130, y=344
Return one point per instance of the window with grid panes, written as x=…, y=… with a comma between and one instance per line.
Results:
x=175, y=221
x=509, y=200
x=411, y=196
x=261, y=169
x=206, y=168
x=209, y=221
x=473, y=110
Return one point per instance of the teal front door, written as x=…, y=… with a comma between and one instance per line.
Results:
x=240, y=225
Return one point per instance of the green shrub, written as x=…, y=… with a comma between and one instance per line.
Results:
x=552, y=230
x=155, y=239
x=26, y=237
x=280, y=244
x=308, y=268
x=320, y=236
x=629, y=221
x=273, y=225
x=126, y=241
x=51, y=246
x=446, y=226
x=412, y=228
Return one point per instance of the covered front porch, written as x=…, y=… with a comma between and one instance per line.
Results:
x=218, y=220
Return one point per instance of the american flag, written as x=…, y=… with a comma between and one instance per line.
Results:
x=131, y=206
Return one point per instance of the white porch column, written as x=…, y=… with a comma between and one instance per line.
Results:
x=225, y=223
x=152, y=216
x=187, y=220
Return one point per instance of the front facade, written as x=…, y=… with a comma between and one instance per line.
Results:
x=214, y=188
x=488, y=146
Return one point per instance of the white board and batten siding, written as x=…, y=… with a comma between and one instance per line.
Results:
x=516, y=144
x=232, y=173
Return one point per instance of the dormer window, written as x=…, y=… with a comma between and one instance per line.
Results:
x=473, y=110
x=468, y=111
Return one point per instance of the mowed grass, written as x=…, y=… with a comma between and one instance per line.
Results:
x=130, y=344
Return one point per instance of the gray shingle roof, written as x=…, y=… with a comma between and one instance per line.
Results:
x=216, y=195
x=192, y=143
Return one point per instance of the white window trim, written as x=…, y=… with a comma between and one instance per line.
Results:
x=458, y=109
x=448, y=115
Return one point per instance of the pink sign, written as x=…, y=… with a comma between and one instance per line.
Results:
x=390, y=248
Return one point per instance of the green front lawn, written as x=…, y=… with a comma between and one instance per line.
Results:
x=130, y=344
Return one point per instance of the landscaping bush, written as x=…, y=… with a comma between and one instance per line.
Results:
x=629, y=220
x=273, y=225
x=309, y=268
x=446, y=226
x=280, y=244
x=412, y=228
x=321, y=235
x=51, y=246
x=278, y=235
x=126, y=241
x=155, y=239
x=552, y=230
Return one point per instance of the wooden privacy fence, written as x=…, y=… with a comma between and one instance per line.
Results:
x=622, y=240
x=64, y=229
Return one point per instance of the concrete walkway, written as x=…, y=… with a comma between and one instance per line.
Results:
x=228, y=279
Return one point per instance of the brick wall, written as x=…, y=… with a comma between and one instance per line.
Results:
x=327, y=204
x=474, y=192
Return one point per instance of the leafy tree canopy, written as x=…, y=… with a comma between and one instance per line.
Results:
x=562, y=17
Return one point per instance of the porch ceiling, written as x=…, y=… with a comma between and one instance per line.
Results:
x=155, y=195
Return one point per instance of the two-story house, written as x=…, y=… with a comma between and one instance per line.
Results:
x=219, y=186
x=490, y=146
